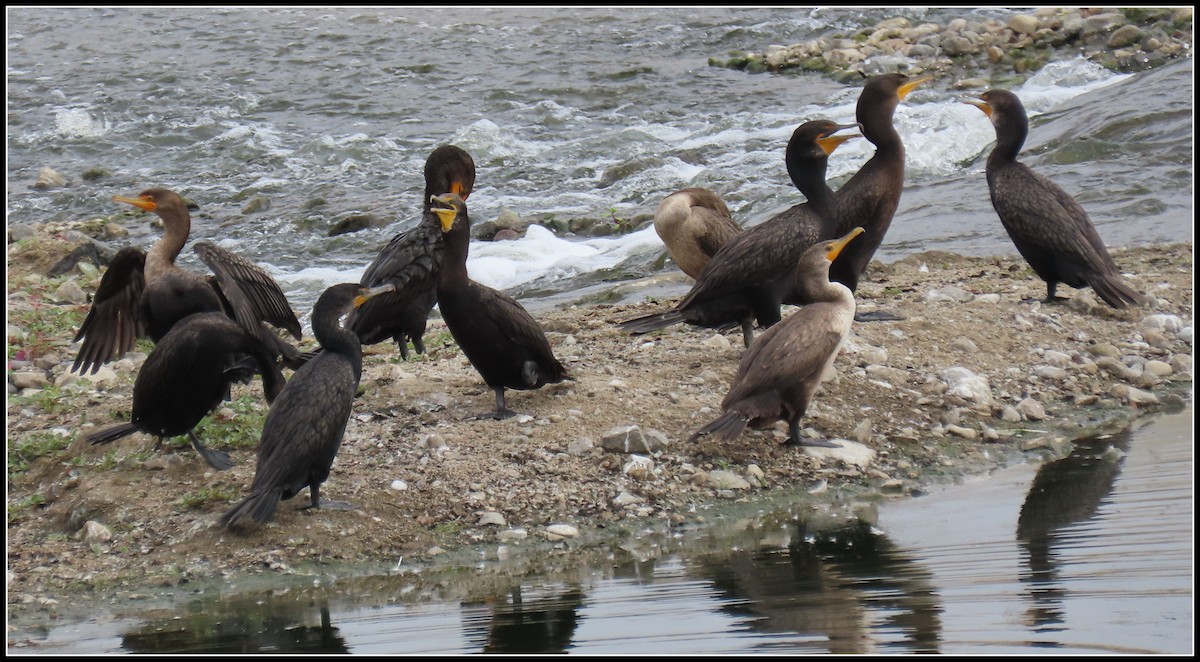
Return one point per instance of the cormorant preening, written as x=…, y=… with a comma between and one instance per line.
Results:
x=410, y=262
x=146, y=293
x=499, y=337
x=780, y=372
x=188, y=373
x=694, y=223
x=1049, y=229
x=869, y=199
x=303, y=430
x=751, y=275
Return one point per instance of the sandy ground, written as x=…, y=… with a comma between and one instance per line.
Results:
x=429, y=479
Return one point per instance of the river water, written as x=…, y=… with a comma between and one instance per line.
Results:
x=599, y=113
x=576, y=112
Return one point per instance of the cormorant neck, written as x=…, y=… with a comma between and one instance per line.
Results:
x=335, y=339
x=809, y=178
x=1010, y=137
x=177, y=225
x=817, y=288
x=454, y=260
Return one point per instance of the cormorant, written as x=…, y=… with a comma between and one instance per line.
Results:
x=146, y=293
x=694, y=223
x=188, y=373
x=499, y=337
x=749, y=277
x=1047, y=225
x=410, y=261
x=869, y=199
x=780, y=372
x=304, y=427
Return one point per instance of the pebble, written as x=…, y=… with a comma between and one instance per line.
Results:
x=639, y=466
x=848, y=452
x=1031, y=409
x=722, y=479
x=561, y=531
x=492, y=518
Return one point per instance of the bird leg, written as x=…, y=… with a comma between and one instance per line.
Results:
x=218, y=460
x=794, y=438
x=1051, y=297
x=747, y=330
x=314, y=493
x=502, y=411
x=418, y=345
x=402, y=342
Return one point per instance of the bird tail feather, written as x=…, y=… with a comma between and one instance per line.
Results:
x=653, y=322
x=259, y=506
x=111, y=434
x=1115, y=291
x=725, y=428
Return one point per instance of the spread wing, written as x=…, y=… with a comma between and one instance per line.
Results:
x=250, y=290
x=113, y=322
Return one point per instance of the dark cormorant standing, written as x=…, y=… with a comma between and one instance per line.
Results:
x=750, y=276
x=1049, y=229
x=694, y=223
x=188, y=373
x=410, y=262
x=303, y=430
x=146, y=293
x=869, y=199
x=780, y=372
x=499, y=337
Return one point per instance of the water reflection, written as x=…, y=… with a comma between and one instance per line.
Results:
x=527, y=620
x=1063, y=493
x=1089, y=554
x=253, y=624
x=845, y=591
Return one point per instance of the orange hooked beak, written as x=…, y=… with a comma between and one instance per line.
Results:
x=143, y=202
x=829, y=141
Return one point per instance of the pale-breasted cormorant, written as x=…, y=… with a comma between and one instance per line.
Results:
x=781, y=370
x=694, y=223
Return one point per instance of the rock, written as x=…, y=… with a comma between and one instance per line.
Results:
x=727, y=480
x=70, y=292
x=625, y=499
x=24, y=380
x=580, y=446
x=639, y=467
x=256, y=204
x=1009, y=414
x=1052, y=373
x=562, y=531
x=862, y=431
x=967, y=385
x=1031, y=409
x=1125, y=35
x=49, y=178
x=1169, y=323
x=513, y=534
x=624, y=439
x=964, y=344
x=492, y=518
x=398, y=485
x=1024, y=24
x=848, y=452
x=716, y=342
x=1133, y=395
x=893, y=376
x=94, y=531
x=960, y=431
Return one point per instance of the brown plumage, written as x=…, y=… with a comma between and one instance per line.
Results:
x=188, y=373
x=500, y=338
x=303, y=430
x=410, y=262
x=1047, y=225
x=146, y=293
x=870, y=198
x=782, y=369
x=694, y=223
x=750, y=276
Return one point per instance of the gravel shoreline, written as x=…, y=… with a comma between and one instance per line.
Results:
x=973, y=378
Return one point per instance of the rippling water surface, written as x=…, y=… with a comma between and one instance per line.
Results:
x=579, y=112
x=1088, y=554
